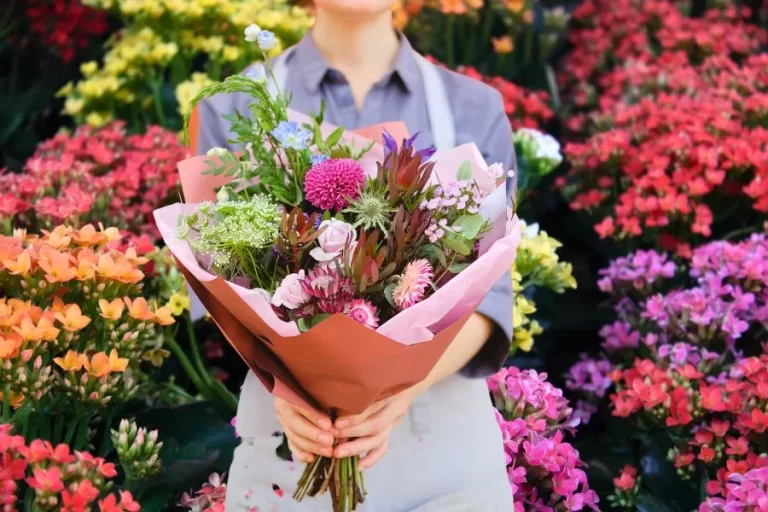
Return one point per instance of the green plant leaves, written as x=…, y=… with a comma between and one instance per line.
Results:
x=457, y=244
x=465, y=171
x=470, y=225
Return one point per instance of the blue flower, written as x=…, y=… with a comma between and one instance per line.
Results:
x=390, y=145
x=266, y=40
x=291, y=136
x=256, y=73
x=318, y=159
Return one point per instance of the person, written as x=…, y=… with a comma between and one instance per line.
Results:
x=436, y=446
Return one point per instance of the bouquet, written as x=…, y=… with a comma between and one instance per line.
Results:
x=311, y=231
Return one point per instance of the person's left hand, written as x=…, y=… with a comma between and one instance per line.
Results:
x=369, y=431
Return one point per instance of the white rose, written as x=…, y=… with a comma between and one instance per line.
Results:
x=291, y=293
x=252, y=33
x=546, y=145
x=333, y=240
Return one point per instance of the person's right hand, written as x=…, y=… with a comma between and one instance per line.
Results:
x=308, y=433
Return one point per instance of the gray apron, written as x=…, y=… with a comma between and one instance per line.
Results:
x=445, y=456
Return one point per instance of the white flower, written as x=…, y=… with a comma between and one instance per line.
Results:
x=257, y=74
x=333, y=240
x=546, y=145
x=530, y=231
x=496, y=171
x=252, y=33
x=217, y=152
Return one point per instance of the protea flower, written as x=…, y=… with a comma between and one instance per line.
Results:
x=329, y=289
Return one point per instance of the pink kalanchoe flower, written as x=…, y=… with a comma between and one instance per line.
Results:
x=331, y=184
x=412, y=284
x=362, y=312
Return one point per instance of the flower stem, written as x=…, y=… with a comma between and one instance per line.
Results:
x=187, y=366
x=71, y=431
x=6, y=403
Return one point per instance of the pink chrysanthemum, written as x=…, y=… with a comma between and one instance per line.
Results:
x=329, y=185
x=412, y=284
x=362, y=312
x=331, y=290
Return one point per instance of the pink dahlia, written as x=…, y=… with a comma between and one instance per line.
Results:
x=330, y=290
x=412, y=284
x=330, y=184
x=362, y=312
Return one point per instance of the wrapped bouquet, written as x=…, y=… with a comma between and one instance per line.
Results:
x=338, y=267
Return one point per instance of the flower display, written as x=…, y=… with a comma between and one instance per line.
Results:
x=650, y=168
x=93, y=176
x=537, y=265
x=210, y=498
x=545, y=472
x=162, y=45
x=56, y=478
x=687, y=356
x=74, y=328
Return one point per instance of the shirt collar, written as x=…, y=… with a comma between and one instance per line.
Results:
x=314, y=68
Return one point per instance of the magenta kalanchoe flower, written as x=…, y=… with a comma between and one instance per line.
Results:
x=412, y=284
x=362, y=312
x=328, y=289
x=330, y=185
x=590, y=376
x=639, y=271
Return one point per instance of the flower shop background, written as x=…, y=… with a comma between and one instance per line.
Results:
x=656, y=212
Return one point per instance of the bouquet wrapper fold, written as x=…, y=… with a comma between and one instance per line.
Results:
x=340, y=365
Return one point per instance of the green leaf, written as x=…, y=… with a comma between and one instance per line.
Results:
x=465, y=171
x=648, y=503
x=302, y=323
x=434, y=253
x=334, y=137
x=317, y=136
x=470, y=225
x=388, y=291
x=319, y=318
x=455, y=243
x=455, y=268
x=339, y=216
x=339, y=153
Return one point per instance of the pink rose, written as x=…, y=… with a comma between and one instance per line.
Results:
x=333, y=240
x=291, y=293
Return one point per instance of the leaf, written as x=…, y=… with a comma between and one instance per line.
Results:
x=455, y=268
x=327, y=215
x=334, y=137
x=434, y=253
x=388, y=291
x=302, y=323
x=339, y=153
x=648, y=503
x=318, y=318
x=455, y=243
x=470, y=225
x=465, y=171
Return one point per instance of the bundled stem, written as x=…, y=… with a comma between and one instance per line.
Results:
x=341, y=476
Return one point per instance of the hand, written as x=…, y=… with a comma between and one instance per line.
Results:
x=372, y=428
x=309, y=433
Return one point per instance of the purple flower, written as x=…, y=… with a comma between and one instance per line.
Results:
x=390, y=145
x=291, y=136
x=619, y=336
x=318, y=159
x=590, y=375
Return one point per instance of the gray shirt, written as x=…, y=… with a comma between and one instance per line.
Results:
x=478, y=112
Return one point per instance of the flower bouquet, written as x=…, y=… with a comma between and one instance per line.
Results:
x=311, y=232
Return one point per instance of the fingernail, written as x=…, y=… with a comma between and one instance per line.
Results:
x=342, y=423
x=324, y=439
x=328, y=452
x=343, y=453
x=325, y=424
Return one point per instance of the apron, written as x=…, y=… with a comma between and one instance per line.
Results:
x=451, y=427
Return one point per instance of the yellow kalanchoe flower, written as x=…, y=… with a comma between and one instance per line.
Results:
x=178, y=304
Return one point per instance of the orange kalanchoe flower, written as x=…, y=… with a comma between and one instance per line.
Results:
x=43, y=331
x=16, y=399
x=88, y=236
x=117, y=363
x=57, y=265
x=72, y=319
x=138, y=309
x=10, y=344
x=111, y=310
x=133, y=258
x=164, y=316
x=72, y=361
x=59, y=238
x=100, y=366
x=10, y=248
x=19, y=266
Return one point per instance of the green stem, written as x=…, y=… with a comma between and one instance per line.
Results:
x=485, y=33
x=157, y=101
x=58, y=429
x=105, y=437
x=187, y=366
x=449, y=42
x=81, y=436
x=528, y=44
x=738, y=232
x=6, y=403
x=196, y=351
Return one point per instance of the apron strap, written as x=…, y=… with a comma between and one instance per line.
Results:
x=438, y=106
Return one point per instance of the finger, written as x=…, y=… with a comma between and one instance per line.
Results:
x=375, y=455
x=301, y=426
x=360, y=446
x=375, y=424
x=300, y=455
x=321, y=420
x=347, y=421
x=306, y=445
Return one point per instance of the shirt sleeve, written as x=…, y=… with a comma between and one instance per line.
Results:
x=494, y=138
